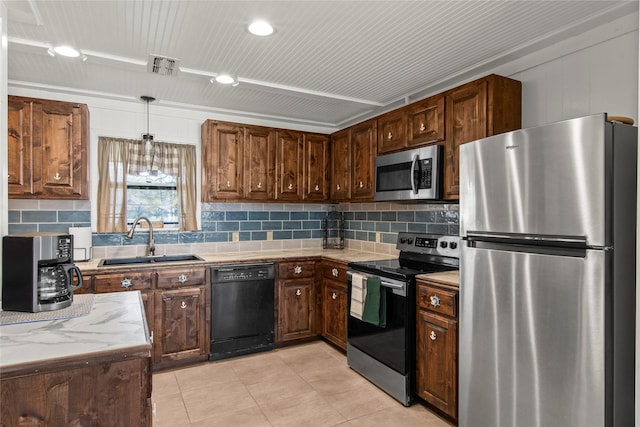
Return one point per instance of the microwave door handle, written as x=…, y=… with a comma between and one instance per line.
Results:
x=414, y=184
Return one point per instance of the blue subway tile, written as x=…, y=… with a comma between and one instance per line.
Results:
x=348, y=234
x=355, y=225
x=216, y=237
x=258, y=235
x=317, y=215
x=212, y=216
x=191, y=237
x=368, y=225
x=406, y=216
x=209, y=226
x=373, y=216
x=389, y=238
x=383, y=226
x=447, y=217
x=250, y=225
x=39, y=216
x=398, y=226
x=361, y=216
x=81, y=224
x=417, y=227
x=58, y=227
x=106, y=239
x=389, y=216
x=362, y=235
x=14, y=217
x=236, y=216
x=438, y=228
x=258, y=215
x=244, y=236
x=22, y=228
x=300, y=216
x=74, y=216
x=425, y=216
x=371, y=237
x=271, y=225
x=454, y=230
x=228, y=226
x=302, y=234
x=278, y=215
x=317, y=234
x=310, y=225
x=291, y=225
x=282, y=235
x=138, y=239
x=348, y=216
x=166, y=238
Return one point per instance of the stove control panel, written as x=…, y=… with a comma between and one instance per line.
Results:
x=433, y=244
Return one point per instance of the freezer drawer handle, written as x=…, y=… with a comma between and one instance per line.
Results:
x=434, y=301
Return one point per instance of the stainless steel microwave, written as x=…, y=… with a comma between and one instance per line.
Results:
x=409, y=175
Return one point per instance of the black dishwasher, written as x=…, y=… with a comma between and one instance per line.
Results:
x=242, y=309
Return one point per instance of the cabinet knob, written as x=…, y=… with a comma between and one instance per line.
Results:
x=361, y=184
x=297, y=269
x=56, y=176
x=434, y=301
x=337, y=187
x=422, y=127
x=182, y=278
x=390, y=135
x=298, y=292
x=317, y=187
x=151, y=337
x=290, y=187
x=433, y=336
x=183, y=304
x=228, y=184
x=126, y=283
x=334, y=271
x=260, y=185
x=333, y=295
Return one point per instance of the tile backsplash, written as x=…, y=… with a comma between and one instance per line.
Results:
x=246, y=226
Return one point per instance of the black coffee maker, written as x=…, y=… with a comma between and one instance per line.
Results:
x=37, y=272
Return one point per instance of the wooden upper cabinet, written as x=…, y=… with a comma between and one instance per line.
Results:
x=290, y=165
x=340, y=187
x=19, y=147
x=425, y=121
x=316, y=161
x=55, y=165
x=259, y=163
x=482, y=108
x=391, y=131
x=363, y=145
x=223, y=158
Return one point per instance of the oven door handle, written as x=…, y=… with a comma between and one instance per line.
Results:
x=414, y=183
x=391, y=285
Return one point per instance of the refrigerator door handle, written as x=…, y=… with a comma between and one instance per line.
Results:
x=515, y=238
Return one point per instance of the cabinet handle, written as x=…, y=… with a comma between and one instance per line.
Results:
x=389, y=135
x=298, y=292
x=433, y=336
x=297, y=269
x=183, y=305
x=151, y=337
x=182, y=278
x=290, y=187
x=335, y=272
x=434, y=301
x=260, y=185
x=317, y=188
x=333, y=295
x=228, y=184
x=56, y=176
x=337, y=187
x=126, y=283
x=422, y=127
x=361, y=184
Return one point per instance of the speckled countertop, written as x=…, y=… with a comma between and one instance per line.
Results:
x=115, y=325
x=342, y=255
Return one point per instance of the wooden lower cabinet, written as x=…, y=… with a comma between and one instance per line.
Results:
x=180, y=325
x=437, y=347
x=334, y=312
x=110, y=392
x=295, y=301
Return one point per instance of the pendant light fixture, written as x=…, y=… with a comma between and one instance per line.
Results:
x=147, y=136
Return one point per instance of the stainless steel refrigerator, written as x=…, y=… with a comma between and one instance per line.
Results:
x=547, y=291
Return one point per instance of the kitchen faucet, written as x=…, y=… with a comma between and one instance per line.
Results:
x=151, y=249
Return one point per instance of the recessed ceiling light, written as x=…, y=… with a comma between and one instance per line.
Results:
x=260, y=28
x=225, y=79
x=66, y=51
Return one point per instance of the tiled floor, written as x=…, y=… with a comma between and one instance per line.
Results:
x=306, y=385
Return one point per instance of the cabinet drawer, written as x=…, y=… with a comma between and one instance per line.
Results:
x=123, y=281
x=186, y=276
x=438, y=300
x=335, y=271
x=295, y=270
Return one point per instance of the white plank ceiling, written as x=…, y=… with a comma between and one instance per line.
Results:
x=329, y=63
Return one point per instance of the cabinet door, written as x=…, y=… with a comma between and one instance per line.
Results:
x=340, y=166
x=19, y=146
x=223, y=161
x=466, y=112
x=180, y=324
x=289, y=165
x=391, y=131
x=436, y=361
x=363, y=142
x=316, y=161
x=295, y=309
x=334, y=308
x=259, y=162
x=425, y=121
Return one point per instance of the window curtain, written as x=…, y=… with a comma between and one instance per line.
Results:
x=118, y=157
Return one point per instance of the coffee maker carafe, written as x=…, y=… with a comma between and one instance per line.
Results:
x=37, y=272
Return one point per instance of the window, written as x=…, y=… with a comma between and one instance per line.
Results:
x=154, y=195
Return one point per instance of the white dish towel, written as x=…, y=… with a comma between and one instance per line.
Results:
x=358, y=294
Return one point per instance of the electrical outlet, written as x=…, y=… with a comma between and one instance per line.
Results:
x=377, y=237
x=235, y=236
x=269, y=235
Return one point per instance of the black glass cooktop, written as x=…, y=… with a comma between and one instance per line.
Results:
x=406, y=267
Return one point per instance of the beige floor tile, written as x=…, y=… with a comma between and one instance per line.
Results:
x=265, y=367
x=339, y=380
x=165, y=383
x=359, y=402
x=252, y=417
x=278, y=388
x=303, y=409
x=220, y=399
x=204, y=375
x=414, y=416
x=169, y=411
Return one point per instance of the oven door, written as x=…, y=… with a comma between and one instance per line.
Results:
x=388, y=344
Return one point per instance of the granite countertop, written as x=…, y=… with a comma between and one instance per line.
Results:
x=342, y=255
x=449, y=278
x=115, y=325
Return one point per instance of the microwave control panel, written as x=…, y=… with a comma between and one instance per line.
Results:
x=425, y=173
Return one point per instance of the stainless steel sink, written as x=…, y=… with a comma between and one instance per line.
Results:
x=105, y=262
